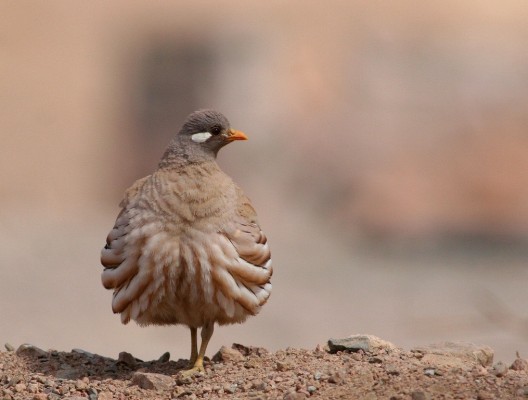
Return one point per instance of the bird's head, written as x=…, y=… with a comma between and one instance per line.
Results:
x=207, y=131
x=202, y=135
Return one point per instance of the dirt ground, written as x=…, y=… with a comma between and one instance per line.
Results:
x=366, y=368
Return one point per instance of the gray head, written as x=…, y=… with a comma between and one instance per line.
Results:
x=202, y=135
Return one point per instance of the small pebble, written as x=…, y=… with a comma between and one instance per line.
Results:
x=285, y=365
x=499, y=369
x=9, y=347
x=165, y=357
x=418, y=395
x=429, y=371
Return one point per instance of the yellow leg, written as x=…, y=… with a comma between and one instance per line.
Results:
x=197, y=366
x=194, y=347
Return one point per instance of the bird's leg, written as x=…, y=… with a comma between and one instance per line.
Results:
x=207, y=332
x=194, y=347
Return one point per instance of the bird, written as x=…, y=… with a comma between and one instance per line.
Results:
x=186, y=247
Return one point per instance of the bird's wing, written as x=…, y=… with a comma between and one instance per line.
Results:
x=250, y=267
x=133, y=254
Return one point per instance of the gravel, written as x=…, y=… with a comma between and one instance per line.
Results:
x=244, y=372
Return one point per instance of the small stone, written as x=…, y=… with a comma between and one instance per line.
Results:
x=20, y=387
x=284, y=365
x=40, y=396
x=92, y=393
x=147, y=380
x=480, y=371
x=392, y=369
x=367, y=343
x=28, y=350
x=105, y=396
x=228, y=354
x=337, y=377
x=429, y=371
x=165, y=357
x=311, y=389
x=33, y=388
x=83, y=352
x=9, y=347
x=456, y=354
x=229, y=388
x=250, y=350
x=499, y=369
x=127, y=359
x=484, y=396
x=356, y=356
x=183, y=380
x=523, y=391
x=258, y=385
x=294, y=396
x=519, y=364
x=418, y=395
x=80, y=385
x=252, y=363
x=68, y=372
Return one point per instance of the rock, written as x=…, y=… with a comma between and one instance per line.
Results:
x=418, y=395
x=127, y=359
x=83, y=352
x=337, y=377
x=392, y=369
x=367, y=343
x=92, y=393
x=147, y=380
x=28, y=350
x=105, y=396
x=252, y=363
x=230, y=388
x=519, y=364
x=484, y=396
x=455, y=355
x=9, y=347
x=250, y=350
x=499, y=369
x=227, y=354
x=294, y=396
x=68, y=372
x=258, y=385
x=20, y=387
x=284, y=365
x=165, y=357
x=311, y=389
x=40, y=396
x=429, y=371
x=33, y=388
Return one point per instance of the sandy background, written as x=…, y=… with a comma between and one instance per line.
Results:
x=388, y=161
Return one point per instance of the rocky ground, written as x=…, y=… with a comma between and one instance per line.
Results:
x=359, y=367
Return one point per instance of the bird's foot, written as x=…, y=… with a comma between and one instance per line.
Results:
x=193, y=369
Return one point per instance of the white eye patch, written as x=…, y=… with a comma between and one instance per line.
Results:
x=200, y=137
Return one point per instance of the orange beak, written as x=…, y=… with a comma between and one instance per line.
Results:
x=236, y=135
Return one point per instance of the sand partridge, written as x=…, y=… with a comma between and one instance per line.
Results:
x=186, y=247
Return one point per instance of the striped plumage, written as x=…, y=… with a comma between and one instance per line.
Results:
x=186, y=247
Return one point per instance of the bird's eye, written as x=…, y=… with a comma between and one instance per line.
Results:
x=215, y=130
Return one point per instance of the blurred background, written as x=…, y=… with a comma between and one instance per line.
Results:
x=388, y=161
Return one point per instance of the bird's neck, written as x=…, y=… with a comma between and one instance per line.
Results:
x=177, y=156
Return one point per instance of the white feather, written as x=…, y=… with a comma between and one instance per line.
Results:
x=200, y=137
